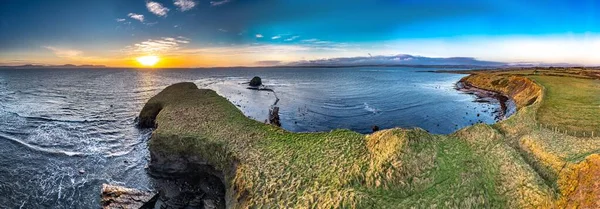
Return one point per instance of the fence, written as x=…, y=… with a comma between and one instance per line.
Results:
x=556, y=129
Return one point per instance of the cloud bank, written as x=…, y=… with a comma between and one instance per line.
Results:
x=163, y=45
x=64, y=53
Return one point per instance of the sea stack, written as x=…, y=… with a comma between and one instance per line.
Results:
x=255, y=82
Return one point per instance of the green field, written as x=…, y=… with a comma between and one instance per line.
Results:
x=513, y=164
x=571, y=104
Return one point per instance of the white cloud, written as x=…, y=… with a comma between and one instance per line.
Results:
x=162, y=45
x=120, y=20
x=184, y=5
x=64, y=53
x=157, y=8
x=136, y=16
x=292, y=38
x=218, y=3
x=276, y=37
x=259, y=35
x=316, y=41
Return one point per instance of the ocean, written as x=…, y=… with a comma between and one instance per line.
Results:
x=64, y=132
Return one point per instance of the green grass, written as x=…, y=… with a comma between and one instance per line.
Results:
x=571, y=104
x=443, y=172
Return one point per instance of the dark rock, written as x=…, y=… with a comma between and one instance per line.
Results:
x=255, y=82
x=148, y=115
x=375, y=128
x=274, y=116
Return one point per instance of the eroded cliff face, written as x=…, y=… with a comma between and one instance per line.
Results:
x=522, y=90
x=183, y=178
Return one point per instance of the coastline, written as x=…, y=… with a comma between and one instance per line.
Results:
x=507, y=105
x=166, y=150
x=199, y=129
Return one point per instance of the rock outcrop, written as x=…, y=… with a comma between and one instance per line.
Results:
x=255, y=82
x=274, y=117
x=118, y=197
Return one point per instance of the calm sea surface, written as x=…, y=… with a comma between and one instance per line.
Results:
x=65, y=132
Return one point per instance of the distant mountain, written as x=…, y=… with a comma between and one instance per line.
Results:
x=402, y=59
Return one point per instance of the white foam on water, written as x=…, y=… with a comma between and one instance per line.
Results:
x=42, y=149
x=370, y=109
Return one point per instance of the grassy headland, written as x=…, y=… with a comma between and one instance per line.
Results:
x=515, y=163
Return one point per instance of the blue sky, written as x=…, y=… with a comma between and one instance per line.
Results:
x=245, y=32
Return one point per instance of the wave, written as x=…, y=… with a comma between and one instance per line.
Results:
x=59, y=119
x=41, y=149
x=370, y=109
x=338, y=116
x=337, y=106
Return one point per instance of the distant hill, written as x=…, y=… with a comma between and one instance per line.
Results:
x=411, y=60
x=31, y=66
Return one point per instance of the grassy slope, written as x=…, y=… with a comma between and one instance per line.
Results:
x=508, y=165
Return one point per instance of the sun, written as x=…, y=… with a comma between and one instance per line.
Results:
x=149, y=60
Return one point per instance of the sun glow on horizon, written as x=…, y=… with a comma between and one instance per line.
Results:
x=148, y=61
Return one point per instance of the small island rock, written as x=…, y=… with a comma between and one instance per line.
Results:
x=255, y=82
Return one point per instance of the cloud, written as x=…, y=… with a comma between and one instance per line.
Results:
x=120, y=20
x=259, y=36
x=276, y=37
x=136, y=16
x=223, y=30
x=162, y=45
x=157, y=8
x=151, y=23
x=292, y=38
x=218, y=3
x=268, y=62
x=184, y=5
x=316, y=41
x=64, y=53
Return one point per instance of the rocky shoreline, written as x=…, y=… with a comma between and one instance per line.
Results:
x=507, y=106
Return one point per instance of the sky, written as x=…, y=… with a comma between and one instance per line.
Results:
x=208, y=33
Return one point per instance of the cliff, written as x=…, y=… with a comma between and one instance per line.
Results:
x=259, y=165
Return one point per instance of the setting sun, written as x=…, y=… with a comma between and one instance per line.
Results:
x=148, y=60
